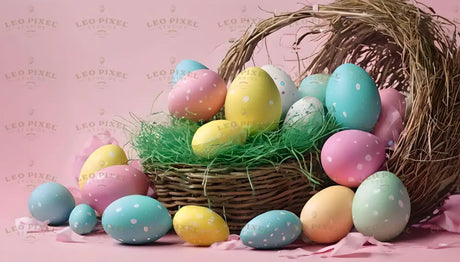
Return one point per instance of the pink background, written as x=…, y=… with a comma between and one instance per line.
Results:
x=70, y=70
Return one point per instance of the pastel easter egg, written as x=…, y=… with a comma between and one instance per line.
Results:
x=197, y=96
x=184, y=67
x=315, y=86
x=286, y=87
x=381, y=207
x=200, y=225
x=82, y=219
x=214, y=136
x=112, y=183
x=306, y=114
x=350, y=156
x=136, y=220
x=271, y=230
x=353, y=97
x=388, y=126
x=327, y=216
x=394, y=98
x=391, y=120
x=102, y=157
x=253, y=101
x=51, y=201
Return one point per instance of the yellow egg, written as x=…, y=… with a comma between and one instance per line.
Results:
x=253, y=101
x=104, y=156
x=326, y=217
x=200, y=226
x=215, y=135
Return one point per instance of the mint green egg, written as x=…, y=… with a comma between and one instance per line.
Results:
x=353, y=97
x=381, y=206
x=315, y=86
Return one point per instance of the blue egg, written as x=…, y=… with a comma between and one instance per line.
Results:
x=136, y=219
x=82, y=219
x=272, y=229
x=51, y=201
x=184, y=67
x=353, y=97
x=314, y=86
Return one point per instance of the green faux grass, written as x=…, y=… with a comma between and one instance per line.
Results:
x=160, y=146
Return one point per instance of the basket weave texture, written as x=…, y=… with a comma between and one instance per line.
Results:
x=402, y=45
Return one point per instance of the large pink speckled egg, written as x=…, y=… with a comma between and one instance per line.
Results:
x=112, y=183
x=350, y=156
x=197, y=96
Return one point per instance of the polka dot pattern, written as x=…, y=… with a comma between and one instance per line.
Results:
x=273, y=229
x=386, y=216
x=199, y=225
x=136, y=219
x=353, y=98
x=286, y=87
x=252, y=89
x=193, y=94
x=82, y=219
x=351, y=153
x=44, y=205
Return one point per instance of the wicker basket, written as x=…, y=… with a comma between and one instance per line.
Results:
x=401, y=46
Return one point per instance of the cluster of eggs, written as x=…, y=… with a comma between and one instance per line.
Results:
x=259, y=99
x=105, y=179
x=117, y=192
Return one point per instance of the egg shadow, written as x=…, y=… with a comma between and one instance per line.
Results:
x=167, y=240
x=411, y=234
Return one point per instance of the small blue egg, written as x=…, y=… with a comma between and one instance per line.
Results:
x=51, y=201
x=272, y=229
x=136, y=219
x=82, y=219
x=184, y=67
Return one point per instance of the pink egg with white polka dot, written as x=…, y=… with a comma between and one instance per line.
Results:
x=388, y=126
x=392, y=97
x=112, y=183
x=197, y=96
x=350, y=156
x=391, y=119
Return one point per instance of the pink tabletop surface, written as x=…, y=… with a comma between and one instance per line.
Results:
x=415, y=244
x=412, y=246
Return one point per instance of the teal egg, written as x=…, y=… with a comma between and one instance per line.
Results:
x=381, y=206
x=272, y=229
x=51, y=201
x=184, y=67
x=353, y=97
x=82, y=219
x=136, y=219
x=315, y=86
